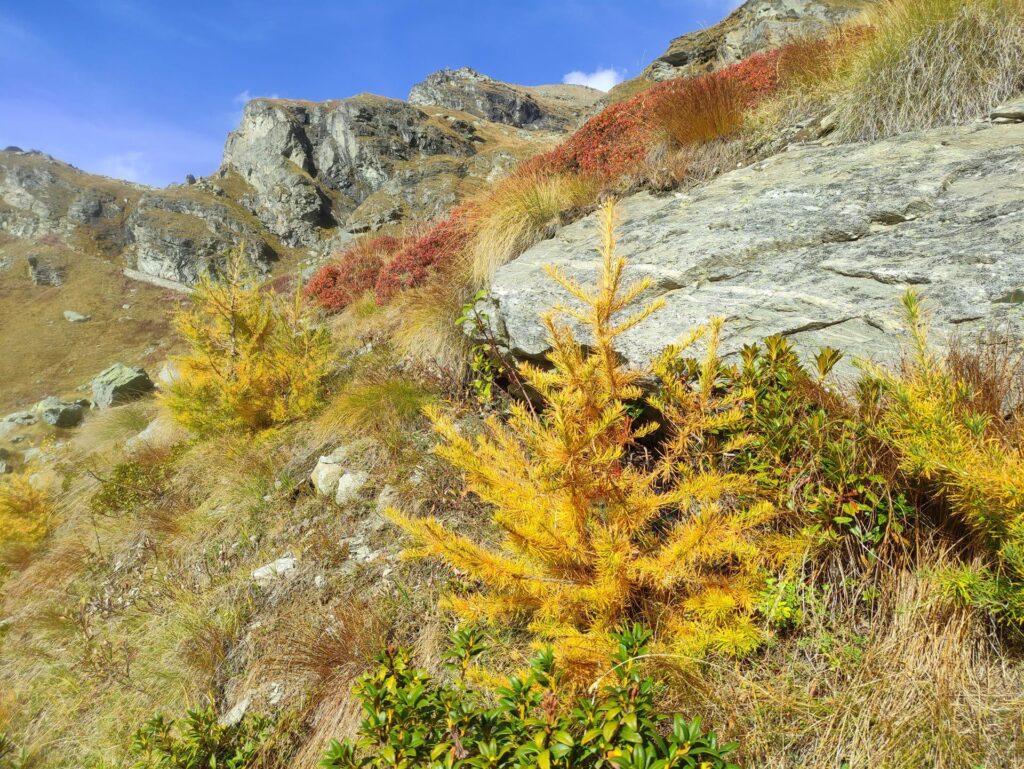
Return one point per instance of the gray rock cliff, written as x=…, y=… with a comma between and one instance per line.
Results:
x=817, y=244
x=757, y=25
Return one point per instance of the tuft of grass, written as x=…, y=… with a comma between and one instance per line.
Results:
x=380, y=403
x=426, y=331
x=929, y=63
x=706, y=108
x=520, y=211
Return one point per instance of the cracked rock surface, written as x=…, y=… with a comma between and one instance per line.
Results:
x=817, y=243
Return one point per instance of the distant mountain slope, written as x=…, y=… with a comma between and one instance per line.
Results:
x=298, y=181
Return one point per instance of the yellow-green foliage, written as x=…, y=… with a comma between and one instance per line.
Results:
x=591, y=536
x=977, y=469
x=928, y=63
x=24, y=512
x=519, y=211
x=255, y=360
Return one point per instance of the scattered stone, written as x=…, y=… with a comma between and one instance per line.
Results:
x=359, y=552
x=328, y=471
x=388, y=497
x=349, y=486
x=1011, y=112
x=76, y=317
x=60, y=413
x=237, y=712
x=43, y=274
x=281, y=568
x=4, y=468
x=163, y=432
x=23, y=418
x=120, y=384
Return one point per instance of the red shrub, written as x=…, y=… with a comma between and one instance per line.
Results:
x=608, y=145
x=411, y=265
x=337, y=285
x=617, y=140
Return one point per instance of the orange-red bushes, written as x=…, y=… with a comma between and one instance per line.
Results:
x=337, y=285
x=608, y=145
x=411, y=265
x=616, y=141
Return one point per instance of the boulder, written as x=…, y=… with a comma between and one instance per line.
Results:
x=162, y=433
x=282, y=567
x=816, y=244
x=23, y=418
x=120, y=384
x=60, y=413
x=1011, y=112
x=44, y=274
x=168, y=374
x=75, y=317
x=328, y=471
x=349, y=486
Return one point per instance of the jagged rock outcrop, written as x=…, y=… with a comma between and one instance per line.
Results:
x=309, y=165
x=316, y=170
x=176, y=237
x=550, y=107
x=171, y=234
x=757, y=25
x=816, y=244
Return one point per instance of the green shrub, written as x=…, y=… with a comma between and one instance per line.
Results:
x=131, y=487
x=199, y=742
x=413, y=721
x=816, y=449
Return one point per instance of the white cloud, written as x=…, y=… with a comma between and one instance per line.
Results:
x=247, y=96
x=131, y=166
x=601, y=79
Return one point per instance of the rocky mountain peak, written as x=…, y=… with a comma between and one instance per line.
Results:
x=755, y=26
x=552, y=107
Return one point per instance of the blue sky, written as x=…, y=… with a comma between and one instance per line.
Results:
x=148, y=90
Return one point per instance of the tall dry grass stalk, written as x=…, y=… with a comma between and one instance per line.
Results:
x=930, y=63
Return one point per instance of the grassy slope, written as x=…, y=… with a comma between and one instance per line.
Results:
x=119, y=617
x=44, y=354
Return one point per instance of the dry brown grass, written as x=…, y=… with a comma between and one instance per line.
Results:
x=992, y=367
x=520, y=211
x=707, y=109
x=906, y=684
x=426, y=330
x=930, y=63
x=670, y=168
